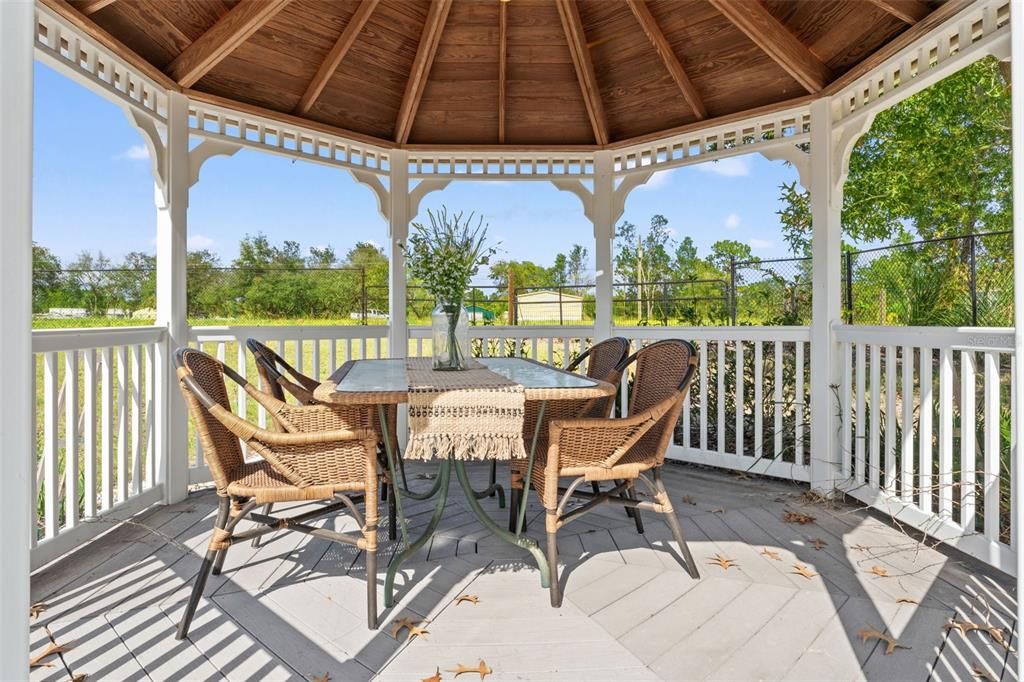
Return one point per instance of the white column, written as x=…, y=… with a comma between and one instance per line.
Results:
x=826, y=208
x=398, y=231
x=1017, y=137
x=17, y=28
x=171, y=308
x=604, y=236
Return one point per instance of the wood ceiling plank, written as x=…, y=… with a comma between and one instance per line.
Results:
x=91, y=6
x=664, y=50
x=230, y=31
x=907, y=11
x=751, y=17
x=341, y=47
x=577, y=40
x=502, y=69
x=420, y=71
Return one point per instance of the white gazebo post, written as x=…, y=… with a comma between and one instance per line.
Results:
x=1017, y=138
x=826, y=212
x=604, y=236
x=171, y=302
x=398, y=231
x=17, y=30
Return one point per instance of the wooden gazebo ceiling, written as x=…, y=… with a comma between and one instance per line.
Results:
x=516, y=72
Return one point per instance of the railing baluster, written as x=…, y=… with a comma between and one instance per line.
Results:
x=845, y=411
x=89, y=434
x=859, y=424
x=907, y=427
x=70, y=439
x=874, y=424
x=720, y=372
x=924, y=435
x=136, y=407
x=332, y=361
x=704, y=395
x=242, y=366
x=50, y=445
x=968, y=442
x=740, y=409
x=945, y=478
x=122, y=425
x=990, y=486
x=777, y=397
x=801, y=402
x=890, y=420
x=315, y=373
x=107, y=398
x=758, y=447
x=150, y=416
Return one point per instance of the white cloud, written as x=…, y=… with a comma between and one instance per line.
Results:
x=137, y=152
x=658, y=180
x=761, y=244
x=198, y=242
x=730, y=167
x=731, y=222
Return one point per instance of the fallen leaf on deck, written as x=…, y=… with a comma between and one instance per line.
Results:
x=797, y=517
x=80, y=677
x=416, y=631
x=771, y=555
x=719, y=560
x=997, y=634
x=800, y=569
x=326, y=677
x=471, y=598
x=481, y=669
x=37, y=609
x=741, y=475
x=860, y=548
x=880, y=572
x=407, y=623
x=436, y=677
x=818, y=543
x=812, y=497
x=906, y=600
x=718, y=510
x=51, y=649
x=688, y=499
x=982, y=674
x=872, y=633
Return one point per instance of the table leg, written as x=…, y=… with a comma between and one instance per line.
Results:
x=525, y=494
x=493, y=487
x=518, y=540
x=398, y=472
x=443, y=476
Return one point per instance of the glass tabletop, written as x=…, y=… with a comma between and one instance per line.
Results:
x=389, y=375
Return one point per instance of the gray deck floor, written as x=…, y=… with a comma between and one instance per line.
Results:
x=294, y=608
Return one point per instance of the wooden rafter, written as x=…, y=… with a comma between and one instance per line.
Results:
x=341, y=47
x=907, y=11
x=502, y=52
x=91, y=6
x=769, y=34
x=573, y=27
x=668, y=56
x=420, y=71
x=230, y=31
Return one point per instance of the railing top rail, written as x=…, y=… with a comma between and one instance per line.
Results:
x=739, y=333
x=523, y=331
x=980, y=338
x=54, y=340
x=271, y=332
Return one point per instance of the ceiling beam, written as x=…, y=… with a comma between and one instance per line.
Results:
x=420, y=70
x=574, y=36
x=668, y=57
x=91, y=6
x=502, y=53
x=769, y=34
x=907, y=11
x=230, y=31
x=341, y=47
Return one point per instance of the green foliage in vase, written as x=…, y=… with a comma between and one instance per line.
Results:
x=447, y=253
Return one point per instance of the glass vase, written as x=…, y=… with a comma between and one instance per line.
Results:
x=450, y=334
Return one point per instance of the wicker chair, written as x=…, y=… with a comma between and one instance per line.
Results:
x=277, y=376
x=603, y=360
x=307, y=460
x=619, y=450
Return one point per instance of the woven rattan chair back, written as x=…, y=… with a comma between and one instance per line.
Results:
x=273, y=369
x=663, y=371
x=221, y=448
x=603, y=359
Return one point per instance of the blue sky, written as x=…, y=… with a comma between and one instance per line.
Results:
x=93, y=191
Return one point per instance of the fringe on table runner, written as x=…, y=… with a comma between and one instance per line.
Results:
x=465, y=446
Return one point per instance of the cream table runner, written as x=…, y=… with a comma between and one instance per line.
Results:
x=471, y=414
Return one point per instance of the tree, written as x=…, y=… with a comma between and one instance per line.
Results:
x=133, y=283
x=47, y=277
x=578, y=262
x=559, y=272
x=724, y=251
x=89, y=279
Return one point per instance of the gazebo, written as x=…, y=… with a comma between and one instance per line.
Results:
x=594, y=96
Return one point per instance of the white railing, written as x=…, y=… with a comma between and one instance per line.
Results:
x=753, y=420
x=926, y=422
x=553, y=344
x=96, y=412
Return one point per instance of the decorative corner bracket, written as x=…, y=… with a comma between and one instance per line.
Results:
x=795, y=155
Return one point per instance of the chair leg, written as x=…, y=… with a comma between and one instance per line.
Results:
x=493, y=478
x=392, y=516
x=204, y=572
x=371, y=589
x=513, y=508
x=267, y=508
x=636, y=512
x=673, y=524
x=556, y=588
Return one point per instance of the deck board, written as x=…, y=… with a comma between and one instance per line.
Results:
x=294, y=608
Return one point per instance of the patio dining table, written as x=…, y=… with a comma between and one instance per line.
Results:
x=380, y=383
